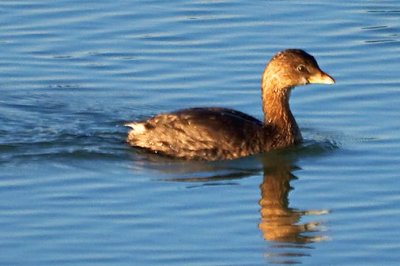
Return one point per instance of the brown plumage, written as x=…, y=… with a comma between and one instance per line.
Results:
x=221, y=133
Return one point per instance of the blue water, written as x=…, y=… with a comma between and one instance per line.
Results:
x=73, y=193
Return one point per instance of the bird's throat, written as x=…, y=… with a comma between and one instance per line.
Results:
x=277, y=114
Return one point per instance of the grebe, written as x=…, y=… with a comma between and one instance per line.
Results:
x=213, y=133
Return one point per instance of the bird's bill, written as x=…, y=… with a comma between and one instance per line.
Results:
x=321, y=78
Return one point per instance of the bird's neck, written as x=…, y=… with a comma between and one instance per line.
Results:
x=277, y=113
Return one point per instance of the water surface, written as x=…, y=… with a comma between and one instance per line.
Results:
x=72, y=193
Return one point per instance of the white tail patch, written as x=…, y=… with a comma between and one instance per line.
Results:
x=138, y=128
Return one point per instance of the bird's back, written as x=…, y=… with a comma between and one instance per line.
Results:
x=200, y=133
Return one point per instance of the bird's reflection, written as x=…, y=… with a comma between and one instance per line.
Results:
x=280, y=225
x=279, y=222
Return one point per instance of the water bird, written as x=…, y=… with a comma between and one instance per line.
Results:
x=215, y=133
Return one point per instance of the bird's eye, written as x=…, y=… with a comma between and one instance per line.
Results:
x=301, y=68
